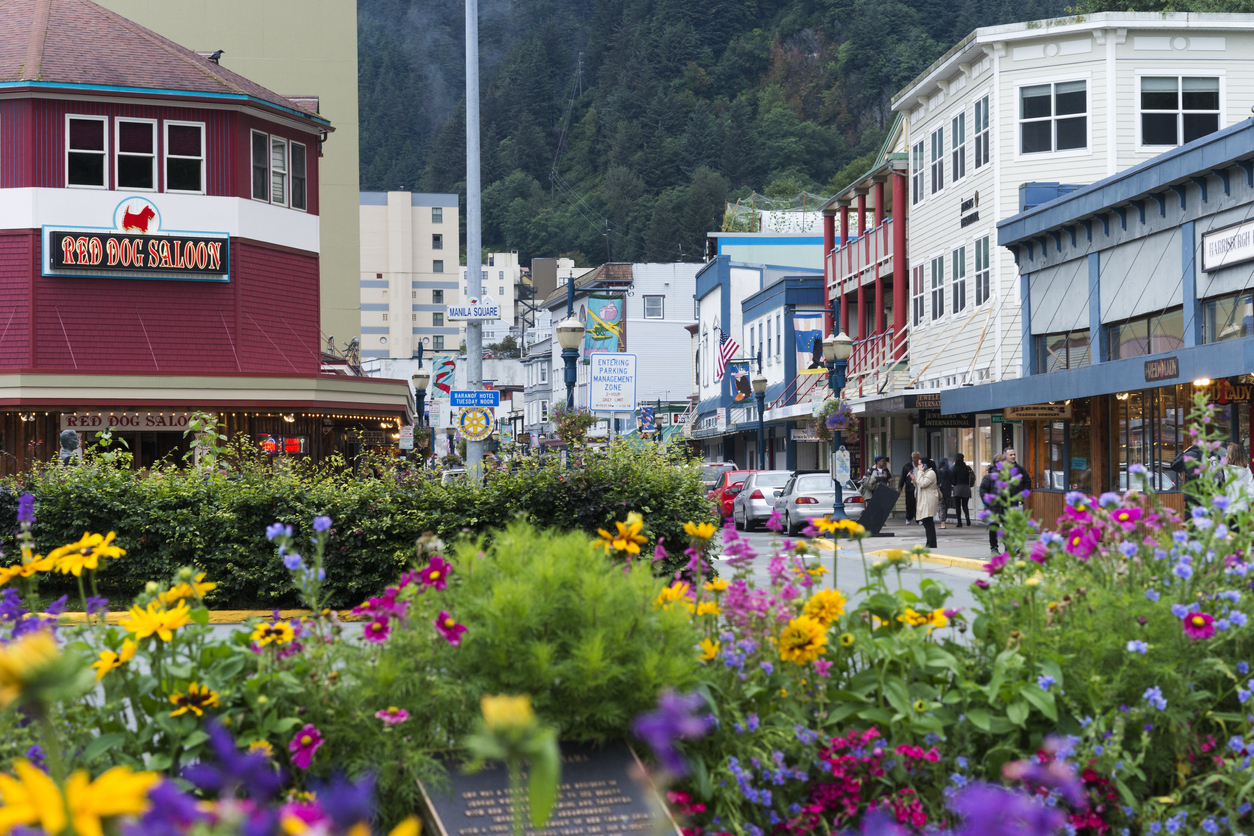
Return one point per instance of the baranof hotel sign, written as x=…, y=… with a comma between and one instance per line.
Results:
x=1228, y=246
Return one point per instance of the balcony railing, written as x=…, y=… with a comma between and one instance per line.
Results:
x=859, y=257
x=873, y=360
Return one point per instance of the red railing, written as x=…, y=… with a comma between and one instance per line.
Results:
x=804, y=388
x=871, y=361
x=860, y=259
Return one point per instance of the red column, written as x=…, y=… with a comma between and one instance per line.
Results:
x=844, y=224
x=844, y=298
x=880, y=313
x=879, y=202
x=830, y=268
x=829, y=234
x=866, y=252
x=900, y=258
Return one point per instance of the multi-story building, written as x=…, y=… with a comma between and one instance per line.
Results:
x=500, y=278
x=538, y=391
x=307, y=50
x=935, y=307
x=409, y=254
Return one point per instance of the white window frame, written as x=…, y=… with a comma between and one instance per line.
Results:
x=981, y=132
x=118, y=154
x=252, y=167
x=779, y=338
x=279, y=142
x=291, y=175
x=1180, y=75
x=544, y=411
x=661, y=304
x=753, y=345
x=936, y=178
x=958, y=146
x=544, y=373
x=104, y=121
x=1087, y=150
x=936, y=284
x=918, y=172
x=983, y=278
x=958, y=278
x=918, y=295
x=437, y=214
x=165, y=156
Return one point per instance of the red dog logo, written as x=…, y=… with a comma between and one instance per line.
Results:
x=137, y=221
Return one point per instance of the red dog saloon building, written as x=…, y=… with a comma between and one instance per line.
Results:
x=159, y=248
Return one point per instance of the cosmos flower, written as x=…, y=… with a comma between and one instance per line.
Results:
x=303, y=746
x=1198, y=625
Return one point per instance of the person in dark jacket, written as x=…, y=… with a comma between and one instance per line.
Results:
x=945, y=481
x=964, y=481
x=1024, y=482
x=907, y=486
x=1189, y=463
x=995, y=506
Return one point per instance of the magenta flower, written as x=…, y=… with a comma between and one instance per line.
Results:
x=1126, y=518
x=307, y=741
x=775, y=523
x=435, y=573
x=822, y=667
x=1040, y=553
x=1081, y=542
x=450, y=629
x=1198, y=625
x=997, y=563
x=659, y=553
x=392, y=715
x=378, y=630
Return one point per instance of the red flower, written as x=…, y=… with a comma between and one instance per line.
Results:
x=450, y=629
x=1198, y=625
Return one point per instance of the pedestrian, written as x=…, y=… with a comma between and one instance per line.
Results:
x=990, y=494
x=928, y=500
x=1189, y=464
x=964, y=481
x=1018, y=487
x=945, y=481
x=879, y=474
x=907, y=485
x=1240, y=481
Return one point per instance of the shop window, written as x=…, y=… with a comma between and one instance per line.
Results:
x=437, y=297
x=979, y=127
x=136, y=161
x=1062, y=458
x=1148, y=428
x=917, y=299
x=261, y=166
x=1151, y=334
x=1053, y=117
x=185, y=157
x=278, y=171
x=1229, y=317
x=437, y=214
x=919, y=172
x=959, y=274
x=982, y=271
x=1178, y=109
x=299, y=179
x=938, y=287
x=958, y=142
x=938, y=164
x=1065, y=350
x=86, y=150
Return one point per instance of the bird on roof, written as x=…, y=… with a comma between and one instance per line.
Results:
x=215, y=55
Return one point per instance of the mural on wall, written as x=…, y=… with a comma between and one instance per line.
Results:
x=606, y=324
x=808, y=333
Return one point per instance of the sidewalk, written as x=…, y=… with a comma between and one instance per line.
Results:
x=965, y=548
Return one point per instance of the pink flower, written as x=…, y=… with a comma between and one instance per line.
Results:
x=1040, y=553
x=822, y=667
x=1198, y=625
x=997, y=563
x=407, y=578
x=1126, y=518
x=1081, y=542
x=450, y=629
x=435, y=573
x=659, y=553
x=392, y=715
x=775, y=523
x=982, y=584
x=378, y=630
x=307, y=741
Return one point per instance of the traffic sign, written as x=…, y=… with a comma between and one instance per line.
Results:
x=474, y=397
x=613, y=382
x=475, y=309
x=407, y=437
x=476, y=423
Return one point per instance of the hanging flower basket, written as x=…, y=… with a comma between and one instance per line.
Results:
x=834, y=415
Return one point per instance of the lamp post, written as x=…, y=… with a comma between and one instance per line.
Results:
x=422, y=380
x=836, y=351
x=569, y=336
x=759, y=392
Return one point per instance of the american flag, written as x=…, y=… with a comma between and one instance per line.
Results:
x=727, y=348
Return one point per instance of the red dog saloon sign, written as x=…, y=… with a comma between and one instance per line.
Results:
x=138, y=245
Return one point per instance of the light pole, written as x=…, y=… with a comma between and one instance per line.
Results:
x=422, y=379
x=759, y=391
x=569, y=336
x=836, y=351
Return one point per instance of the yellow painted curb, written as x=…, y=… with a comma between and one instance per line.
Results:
x=939, y=559
x=215, y=616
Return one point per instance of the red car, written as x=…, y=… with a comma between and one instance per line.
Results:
x=726, y=488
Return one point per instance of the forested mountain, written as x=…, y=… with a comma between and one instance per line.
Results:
x=655, y=111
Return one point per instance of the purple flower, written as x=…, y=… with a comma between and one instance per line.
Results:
x=1045, y=680
x=1152, y=595
x=1154, y=696
x=26, y=508
x=292, y=561
x=172, y=813
x=987, y=810
x=1138, y=646
x=347, y=803
x=252, y=772
x=278, y=530
x=97, y=603
x=35, y=755
x=1179, y=610
x=321, y=523
x=58, y=606
x=672, y=721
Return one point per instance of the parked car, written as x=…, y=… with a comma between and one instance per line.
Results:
x=711, y=471
x=808, y=496
x=756, y=498
x=726, y=489
x=448, y=477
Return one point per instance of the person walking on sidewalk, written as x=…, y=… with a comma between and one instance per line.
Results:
x=907, y=485
x=1020, y=488
x=964, y=481
x=928, y=498
x=945, y=481
x=991, y=495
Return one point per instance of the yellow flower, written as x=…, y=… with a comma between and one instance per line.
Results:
x=626, y=539
x=817, y=571
x=409, y=827
x=152, y=621
x=279, y=633
x=195, y=589
x=85, y=554
x=506, y=713
x=895, y=555
x=702, y=531
x=117, y=792
x=32, y=798
x=709, y=649
x=196, y=700
x=914, y=619
x=920, y=706
x=803, y=640
x=707, y=608
x=262, y=746
x=110, y=660
x=846, y=639
x=825, y=606
x=716, y=585
x=677, y=592
x=831, y=526
x=21, y=663
x=30, y=565
x=936, y=618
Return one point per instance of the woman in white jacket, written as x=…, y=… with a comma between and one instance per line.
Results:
x=1240, y=481
x=928, y=502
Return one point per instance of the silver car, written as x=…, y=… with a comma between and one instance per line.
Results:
x=809, y=496
x=756, y=498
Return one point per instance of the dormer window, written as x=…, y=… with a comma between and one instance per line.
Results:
x=86, y=151
x=137, y=154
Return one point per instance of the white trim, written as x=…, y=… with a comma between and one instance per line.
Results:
x=104, y=121
x=279, y=142
x=204, y=153
x=932, y=162
x=252, y=173
x=118, y=153
x=1112, y=110
x=1138, y=74
x=1087, y=150
x=931, y=288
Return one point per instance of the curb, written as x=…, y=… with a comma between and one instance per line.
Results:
x=215, y=616
x=969, y=563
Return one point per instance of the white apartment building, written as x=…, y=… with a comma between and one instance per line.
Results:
x=500, y=276
x=409, y=259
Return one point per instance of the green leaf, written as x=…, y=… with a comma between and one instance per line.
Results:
x=1018, y=712
x=897, y=695
x=159, y=762
x=546, y=767
x=1043, y=700
x=979, y=718
x=195, y=739
x=200, y=616
x=101, y=745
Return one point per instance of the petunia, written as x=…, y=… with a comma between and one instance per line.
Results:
x=303, y=746
x=450, y=629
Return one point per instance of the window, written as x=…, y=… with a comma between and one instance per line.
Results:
x=1148, y=427
x=1229, y=317
x=1066, y=350
x=982, y=272
x=413, y=317
x=959, y=273
x=299, y=196
x=385, y=317
x=437, y=297
x=1062, y=457
x=437, y=342
x=1053, y=117
x=437, y=266
x=779, y=340
x=1151, y=334
x=185, y=157
x=544, y=410
x=136, y=162
x=500, y=276
x=500, y=291
x=437, y=214
x=768, y=341
x=938, y=287
x=413, y=294
x=544, y=373
x=491, y=261
x=938, y=161
x=752, y=342
x=261, y=165
x=958, y=145
x=437, y=320
x=654, y=308
x=916, y=184
x=278, y=171
x=979, y=127
x=917, y=294
x=1178, y=109
x=86, y=151
x=437, y=242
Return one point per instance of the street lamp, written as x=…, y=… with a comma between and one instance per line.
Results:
x=759, y=391
x=421, y=381
x=569, y=336
x=836, y=351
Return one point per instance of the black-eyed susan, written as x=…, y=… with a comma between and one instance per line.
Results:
x=825, y=606
x=111, y=661
x=153, y=621
x=914, y=619
x=803, y=640
x=709, y=649
x=627, y=538
x=677, y=593
x=707, y=608
x=701, y=531
x=920, y=706
x=279, y=632
x=196, y=700
x=715, y=585
x=197, y=587
x=85, y=554
x=846, y=640
x=23, y=662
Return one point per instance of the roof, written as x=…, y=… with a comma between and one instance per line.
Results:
x=612, y=272
x=76, y=42
x=450, y=201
